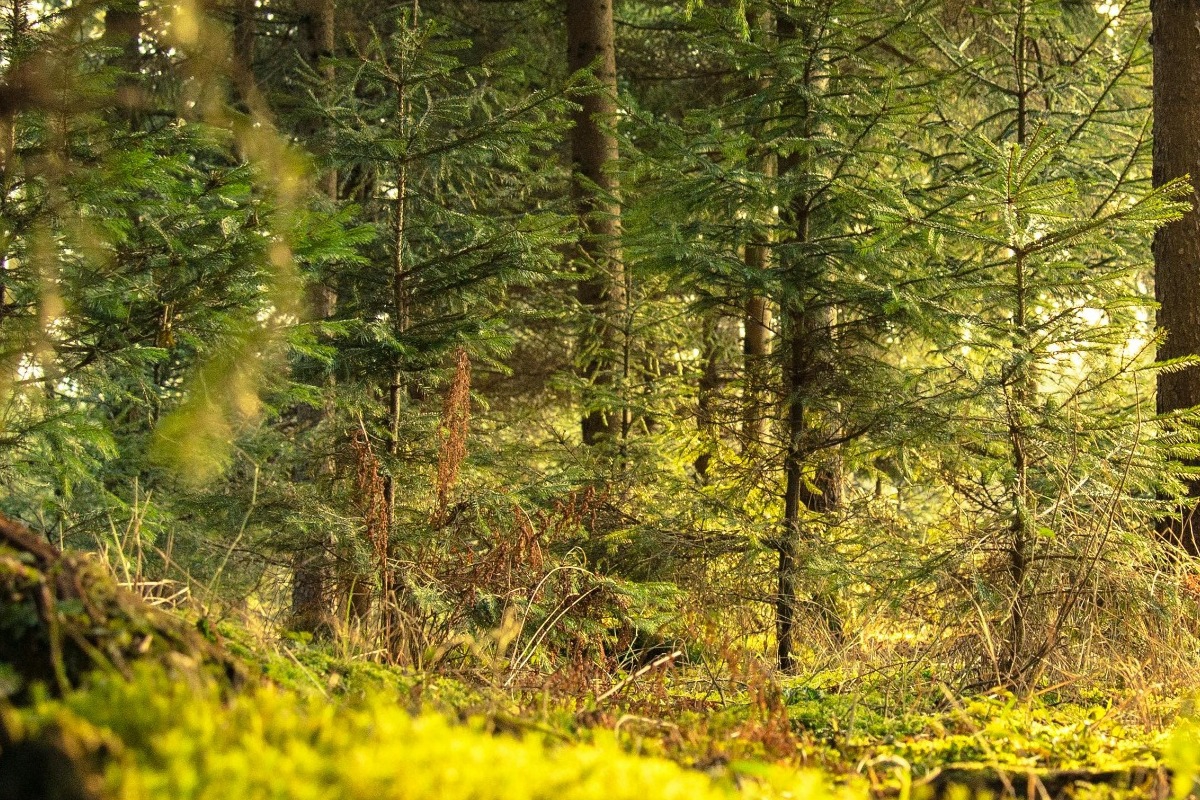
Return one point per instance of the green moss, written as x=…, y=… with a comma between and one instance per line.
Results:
x=1000, y=730
x=176, y=739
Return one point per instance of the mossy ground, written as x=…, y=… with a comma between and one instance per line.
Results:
x=318, y=725
x=130, y=717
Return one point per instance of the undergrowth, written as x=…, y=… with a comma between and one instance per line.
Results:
x=310, y=719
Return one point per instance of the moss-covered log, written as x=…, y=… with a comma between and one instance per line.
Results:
x=62, y=615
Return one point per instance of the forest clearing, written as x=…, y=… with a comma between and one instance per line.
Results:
x=590, y=399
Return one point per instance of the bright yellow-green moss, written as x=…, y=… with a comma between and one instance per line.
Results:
x=1183, y=755
x=1002, y=731
x=181, y=740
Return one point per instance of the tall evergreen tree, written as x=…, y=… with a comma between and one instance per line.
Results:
x=1177, y=246
x=603, y=293
x=456, y=163
x=1046, y=210
x=316, y=50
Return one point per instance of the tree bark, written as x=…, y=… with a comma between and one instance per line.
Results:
x=316, y=47
x=122, y=31
x=1016, y=662
x=310, y=565
x=756, y=343
x=1176, y=44
x=595, y=190
x=810, y=356
x=708, y=393
x=245, y=31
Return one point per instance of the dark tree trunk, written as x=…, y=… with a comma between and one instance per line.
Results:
x=1176, y=42
x=122, y=33
x=244, y=40
x=810, y=356
x=595, y=190
x=310, y=567
x=316, y=47
x=756, y=343
x=709, y=390
x=245, y=30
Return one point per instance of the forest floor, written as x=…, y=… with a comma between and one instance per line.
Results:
x=180, y=708
x=312, y=723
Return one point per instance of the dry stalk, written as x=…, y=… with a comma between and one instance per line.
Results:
x=452, y=433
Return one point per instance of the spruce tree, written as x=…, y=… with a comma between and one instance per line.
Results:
x=1040, y=211
x=825, y=111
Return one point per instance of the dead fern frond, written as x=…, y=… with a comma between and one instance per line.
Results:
x=452, y=433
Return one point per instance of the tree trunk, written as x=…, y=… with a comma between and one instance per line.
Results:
x=317, y=45
x=245, y=29
x=310, y=566
x=709, y=390
x=810, y=357
x=1016, y=662
x=400, y=640
x=810, y=353
x=1176, y=42
x=122, y=33
x=122, y=30
x=595, y=189
x=756, y=345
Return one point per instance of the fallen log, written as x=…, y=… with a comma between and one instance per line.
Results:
x=62, y=615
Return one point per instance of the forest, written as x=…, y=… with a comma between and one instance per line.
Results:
x=513, y=399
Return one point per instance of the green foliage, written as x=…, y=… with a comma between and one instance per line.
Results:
x=447, y=160
x=282, y=320
x=1043, y=349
